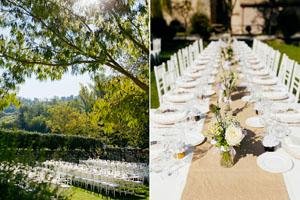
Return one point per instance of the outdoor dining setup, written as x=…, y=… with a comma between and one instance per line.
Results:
x=228, y=123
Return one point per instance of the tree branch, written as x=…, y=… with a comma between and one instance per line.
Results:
x=48, y=64
x=129, y=36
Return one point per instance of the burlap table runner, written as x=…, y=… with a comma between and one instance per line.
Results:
x=245, y=180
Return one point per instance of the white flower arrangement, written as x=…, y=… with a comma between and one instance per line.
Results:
x=225, y=132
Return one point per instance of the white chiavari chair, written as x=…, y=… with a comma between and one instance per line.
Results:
x=287, y=73
x=200, y=41
x=175, y=63
x=169, y=81
x=275, y=65
x=295, y=85
x=159, y=71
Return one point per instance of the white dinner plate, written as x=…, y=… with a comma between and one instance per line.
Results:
x=275, y=162
x=194, y=140
x=243, y=85
x=176, y=97
x=247, y=99
x=209, y=93
x=214, y=72
x=167, y=118
x=254, y=122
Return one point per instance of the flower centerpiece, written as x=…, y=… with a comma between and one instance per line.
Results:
x=227, y=84
x=225, y=133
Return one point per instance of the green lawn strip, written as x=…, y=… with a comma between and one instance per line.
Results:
x=82, y=194
x=293, y=52
x=154, y=102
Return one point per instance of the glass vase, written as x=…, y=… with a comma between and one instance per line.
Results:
x=227, y=101
x=227, y=158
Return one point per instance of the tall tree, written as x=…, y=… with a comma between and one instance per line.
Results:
x=50, y=37
x=183, y=8
x=228, y=6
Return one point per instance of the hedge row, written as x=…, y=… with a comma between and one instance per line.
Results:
x=34, y=140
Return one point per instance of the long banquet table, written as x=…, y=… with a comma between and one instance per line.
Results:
x=245, y=180
x=201, y=176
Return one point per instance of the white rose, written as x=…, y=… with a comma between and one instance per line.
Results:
x=233, y=135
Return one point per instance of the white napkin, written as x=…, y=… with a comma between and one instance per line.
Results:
x=262, y=72
x=257, y=66
x=270, y=81
x=291, y=118
x=167, y=117
x=177, y=97
x=198, y=67
x=203, y=61
x=254, y=61
x=184, y=84
x=192, y=74
x=276, y=95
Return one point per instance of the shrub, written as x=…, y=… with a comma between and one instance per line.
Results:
x=176, y=26
x=35, y=140
x=289, y=22
x=159, y=27
x=248, y=29
x=200, y=25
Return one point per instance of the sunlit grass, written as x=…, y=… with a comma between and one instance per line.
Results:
x=82, y=194
x=292, y=51
x=154, y=94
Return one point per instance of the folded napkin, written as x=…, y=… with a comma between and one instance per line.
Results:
x=203, y=61
x=193, y=74
x=290, y=118
x=276, y=95
x=265, y=81
x=198, y=67
x=186, y=83
x=167, y=116
x=257, y=66
x=178, y=96
x=262, y=72
x=254, y=61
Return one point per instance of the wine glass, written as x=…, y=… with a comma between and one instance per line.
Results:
x=280, y=130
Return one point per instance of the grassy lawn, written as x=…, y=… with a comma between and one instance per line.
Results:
x=81, y=194
x=171, y=47
x=293, y=52
x=154, y=102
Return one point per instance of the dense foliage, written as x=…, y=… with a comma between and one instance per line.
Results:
x=114, y=110
x=35, y=140
x=49, y=38
x=201, y=25
x=289, y=22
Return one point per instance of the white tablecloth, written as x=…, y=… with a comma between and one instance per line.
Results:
x=164, y=187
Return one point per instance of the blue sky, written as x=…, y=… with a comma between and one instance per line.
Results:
x=68, y=85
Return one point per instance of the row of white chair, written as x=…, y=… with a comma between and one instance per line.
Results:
x=97, y=177
x=287, y=71
x=167, y=73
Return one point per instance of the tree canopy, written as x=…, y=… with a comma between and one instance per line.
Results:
x=47, y=38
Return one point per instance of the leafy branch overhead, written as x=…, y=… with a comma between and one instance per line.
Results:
x=50, y=38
